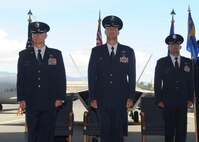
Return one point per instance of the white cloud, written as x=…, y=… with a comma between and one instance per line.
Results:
x=9, y=49
x=79, y=67
x=141, y=61
x=76, y=64
x=9, y=52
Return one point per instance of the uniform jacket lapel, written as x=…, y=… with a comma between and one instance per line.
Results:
x=119, y=49
x=170, y=62
x=104, y=51
x=46, y=56
x=31, y=55
x=182, y=63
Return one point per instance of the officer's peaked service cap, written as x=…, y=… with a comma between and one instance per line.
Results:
x=112, y=21
x=174, y=39
x=39, y=27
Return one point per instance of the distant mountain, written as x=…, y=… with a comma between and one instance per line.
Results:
x=3, y=74
x=69, y=78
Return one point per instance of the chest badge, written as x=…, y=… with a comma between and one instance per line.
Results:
x=123, y=58
x=186, y=68
x=52, y=60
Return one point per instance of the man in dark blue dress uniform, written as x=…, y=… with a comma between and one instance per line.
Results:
x=174, y=87
x=196, y=79
x=111, y=79
x=41, y=84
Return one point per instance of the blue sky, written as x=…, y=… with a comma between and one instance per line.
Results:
x=73, y=26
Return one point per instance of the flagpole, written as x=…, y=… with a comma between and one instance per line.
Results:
x=172, y=27
x=172, y=22
x=99, y=41
x=99, y=20
x=173, y=13
x=195, y=99
x=29, y=19
x=194, y=102
x=29, y=41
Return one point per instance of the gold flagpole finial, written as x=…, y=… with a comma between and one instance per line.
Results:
x=29, y=19
x=173, y=13
x=99, y=20
x=189, y=9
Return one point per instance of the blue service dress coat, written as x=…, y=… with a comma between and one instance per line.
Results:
x=112, y=82
x=196, y=81
x=41, y=86
x=175, y=89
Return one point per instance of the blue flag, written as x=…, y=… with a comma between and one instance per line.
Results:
x=172, y=27
x=192, y=45
x=172, y=22
x=171, y=31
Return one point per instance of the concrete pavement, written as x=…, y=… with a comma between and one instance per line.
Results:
x=12, y=127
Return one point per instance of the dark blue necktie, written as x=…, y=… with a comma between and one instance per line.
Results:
x=112, y=52
x=176, y=64
x=39, y=57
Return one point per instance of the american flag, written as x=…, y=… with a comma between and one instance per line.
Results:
x=99, y=34
x=29, y=41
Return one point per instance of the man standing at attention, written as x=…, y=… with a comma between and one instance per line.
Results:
x=174, y=88
x=41, y=84
x=111, y=80
x=196, y=81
